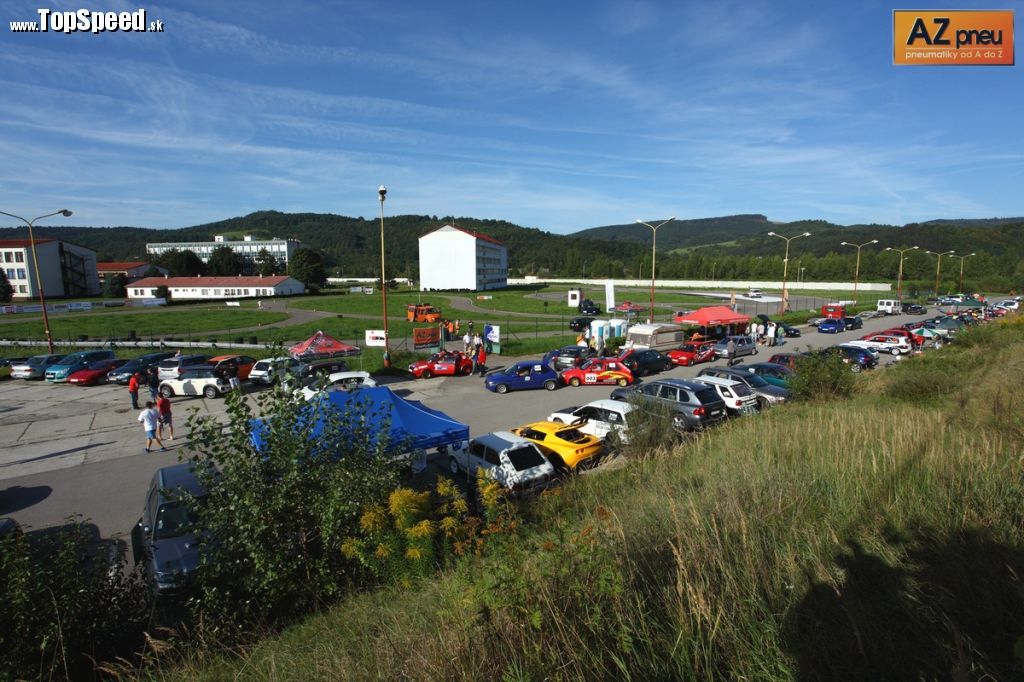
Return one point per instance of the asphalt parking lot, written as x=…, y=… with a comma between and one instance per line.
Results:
x=79, y=450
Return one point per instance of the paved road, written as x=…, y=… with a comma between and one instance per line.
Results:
x=70, y=450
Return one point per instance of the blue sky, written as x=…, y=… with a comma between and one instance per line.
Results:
x=560, y=116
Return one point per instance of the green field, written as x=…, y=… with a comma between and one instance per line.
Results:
x=158, y=323
x=875, y=537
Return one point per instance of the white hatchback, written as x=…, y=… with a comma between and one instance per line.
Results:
x=338, y=381
x=195, y=381
x=598, y=418
x=738, y=397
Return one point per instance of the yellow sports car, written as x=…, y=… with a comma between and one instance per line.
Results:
x=565, y=445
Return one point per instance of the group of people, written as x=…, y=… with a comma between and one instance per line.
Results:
x=450, y=329
x=156, y=416
x=770, y=334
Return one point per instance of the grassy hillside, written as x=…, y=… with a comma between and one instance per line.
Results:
x=682, y=233
x=875, y=538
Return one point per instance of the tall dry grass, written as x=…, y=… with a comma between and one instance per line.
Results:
x=876, y=538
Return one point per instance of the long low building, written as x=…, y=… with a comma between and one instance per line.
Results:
x=216, y=288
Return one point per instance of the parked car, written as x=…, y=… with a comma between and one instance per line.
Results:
x=754, y=293
x=598, y=418
x=320, y=367
x=339, y=381
x=243, y=363
x=514, y=462
x=744, y=346
x=6, y=366
x=60, y=371
x=566, y=447
x=567, y=356
x=695, y=406
x=789, y=360
x=446, y=363
x=854, y=322
x=767, y=394
x=95, y=373
x=859, y=359
x=832, y=325
x=692, y=353
x=271, y=370
x=736, y=395
x=645, y=362
x=194, y=381
x=163, y=541
x=122, y=374
x=578, y=324
x=883, y=343
x=33, y=367
x=914, y=309
x=1009, y=304
x=588, y=307
x=788, y=330
x=774, y=374
x=525, y=375
x=172, y=367
x=598, y=371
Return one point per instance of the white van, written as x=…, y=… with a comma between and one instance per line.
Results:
x=656, y=336
x=889, y=306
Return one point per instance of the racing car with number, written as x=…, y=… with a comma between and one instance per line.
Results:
x=597, y=371
x=448, y=363
x=692, y=353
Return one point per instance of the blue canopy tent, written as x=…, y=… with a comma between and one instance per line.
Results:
x=410, y=423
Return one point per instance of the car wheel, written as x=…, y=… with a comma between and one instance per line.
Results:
x=763, y=404
x=453, y=465
x=501, y=388
x=210, y=392
x=575, y=381
x=427, y=374
x=166, y=392
x=550, y=384
x=895, y=351
x=623, y=382
x=855, y=367
x=679, y=424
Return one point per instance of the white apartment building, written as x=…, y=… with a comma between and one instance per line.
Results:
x=216, y=288
x=247, y=249
x=66, y=270
x=453, y=258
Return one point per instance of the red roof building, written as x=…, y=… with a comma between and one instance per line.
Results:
x=454, y=258
x=216, y=288
x=133, y=270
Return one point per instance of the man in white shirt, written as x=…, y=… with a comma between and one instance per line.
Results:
x=150, y=419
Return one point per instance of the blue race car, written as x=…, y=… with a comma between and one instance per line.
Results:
x=524, y=375
x=832, y=325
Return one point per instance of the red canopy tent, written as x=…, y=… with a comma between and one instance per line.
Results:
x=713, y=316
x=322, y=345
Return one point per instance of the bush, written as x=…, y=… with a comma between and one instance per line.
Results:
x=822, y=376
x=64, y=606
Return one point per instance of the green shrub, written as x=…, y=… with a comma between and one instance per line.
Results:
x=822, y=376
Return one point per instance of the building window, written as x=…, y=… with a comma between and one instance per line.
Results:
x=21, y=273
x=19, y=256
x=7, y=257
x=10, y=273
x=22, y=289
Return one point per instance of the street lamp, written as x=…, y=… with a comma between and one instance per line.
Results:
x=382, y=193
x=785, y=267
x=938, y=264
x=856, y=270
x=654, y=246
x=35, y=264
x=960, y=290
x=899, y=278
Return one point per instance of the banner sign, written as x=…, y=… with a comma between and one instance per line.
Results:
x=425, y=337
x=375, y=337
x=609, y=295
x=958, y=37
x=492, y=338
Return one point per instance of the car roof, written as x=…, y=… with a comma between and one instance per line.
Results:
x=501, y=440
x=219, y=358
x=179, y=476
x=614, y=405
x=719, y=381
x=679, y=383
x=336, y=376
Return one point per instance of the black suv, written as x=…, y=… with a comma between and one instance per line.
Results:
x=644, y=362
x=696, y=406
x=163, y=540
x=857, y=358
x=588, y=307
x=578, y=324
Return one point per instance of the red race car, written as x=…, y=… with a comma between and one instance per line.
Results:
x=95, y=373
x=598, y=371
x=447, y=363
x=692, y=353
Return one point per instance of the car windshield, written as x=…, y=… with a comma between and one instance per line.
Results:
x=70, y=360
x=572, y=436
x=172, y=520
x=98, y=364
x=740, y=390
x=524, y=457
x=38, y=360
x=261, y=365
x=755, y=381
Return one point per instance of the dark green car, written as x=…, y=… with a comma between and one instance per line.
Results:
x=776, y=375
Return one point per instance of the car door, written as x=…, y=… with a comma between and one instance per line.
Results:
x=189, y=384
x=597, y=421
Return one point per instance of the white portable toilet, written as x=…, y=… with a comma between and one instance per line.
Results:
x=575, y=296
x=599, y=329
x=616, y=327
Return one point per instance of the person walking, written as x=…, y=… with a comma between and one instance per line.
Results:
x=770, y=332
x=779, y=335
x=467, y=343
x=477, y=341
x=164, y=417
x=153, y=381
x=150, y=420
x=133, y=390
x=469, y=327
x=233, y=380
x=760, y=332
x=730, y=352
x=481, y=360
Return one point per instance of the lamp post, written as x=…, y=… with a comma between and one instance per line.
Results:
x=960, y=289
x=899, y=278
x=654, y=246
x=35, y=264
x=382, y=193
x=785, y=267
x=938, y=264
x=856, y=270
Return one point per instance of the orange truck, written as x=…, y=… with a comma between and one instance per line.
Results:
x=422, y=312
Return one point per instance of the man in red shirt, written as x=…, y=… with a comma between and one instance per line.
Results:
x=481, y=360
x=163, y=408
x=133, y=390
